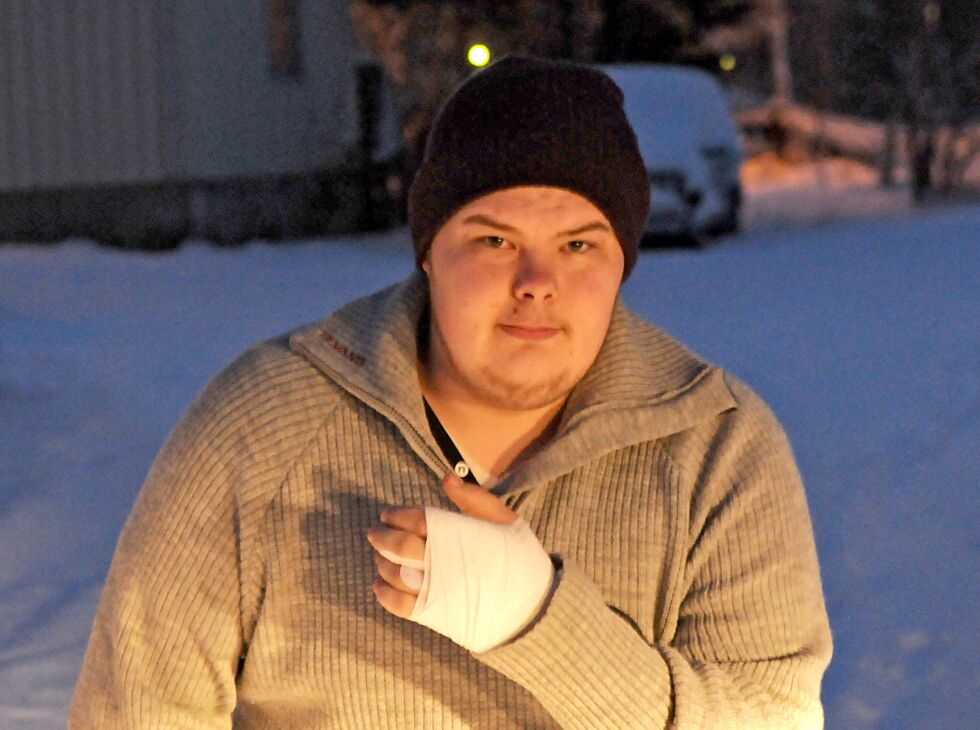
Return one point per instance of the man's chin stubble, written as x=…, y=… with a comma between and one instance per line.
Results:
x=521, y=396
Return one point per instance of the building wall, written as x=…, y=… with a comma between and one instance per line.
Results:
x=105, y=92
x=80, y=93
x=236, y=116
x=142, y=122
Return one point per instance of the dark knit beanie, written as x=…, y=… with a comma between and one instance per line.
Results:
x=530, y=121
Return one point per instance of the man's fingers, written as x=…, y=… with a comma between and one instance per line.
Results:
x=395, y=601
x=402, y=543
x=410, y=519
x=405, y=579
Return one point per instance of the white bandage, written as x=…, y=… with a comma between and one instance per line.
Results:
x=482, y=582
x=411, y=571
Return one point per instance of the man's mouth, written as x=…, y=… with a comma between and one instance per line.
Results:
x=530, y=333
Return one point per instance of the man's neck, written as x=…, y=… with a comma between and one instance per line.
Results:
x=495, y=438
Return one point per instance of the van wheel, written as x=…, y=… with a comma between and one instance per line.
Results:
x=730, y=222
x=698, y=240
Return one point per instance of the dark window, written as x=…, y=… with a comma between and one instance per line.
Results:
x=284, y=37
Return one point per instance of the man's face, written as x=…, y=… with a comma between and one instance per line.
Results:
x=523, y=283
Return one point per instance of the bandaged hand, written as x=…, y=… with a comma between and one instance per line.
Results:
x=478, y=578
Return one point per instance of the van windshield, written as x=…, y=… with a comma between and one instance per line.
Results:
x=674, y=110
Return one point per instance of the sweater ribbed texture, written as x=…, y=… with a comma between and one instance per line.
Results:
x=241, y=587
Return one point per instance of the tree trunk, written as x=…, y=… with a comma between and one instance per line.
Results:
x=782, y=76
x=886, y=169
x=921, y=154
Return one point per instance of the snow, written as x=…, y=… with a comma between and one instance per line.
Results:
x=856, y=137
x=826, y=190
x=862, y=334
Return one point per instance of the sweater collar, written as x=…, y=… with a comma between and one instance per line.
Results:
x=643, y=385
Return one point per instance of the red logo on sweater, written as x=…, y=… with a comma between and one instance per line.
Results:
x=344, y=349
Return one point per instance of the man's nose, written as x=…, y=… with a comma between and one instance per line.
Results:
x=535, y=277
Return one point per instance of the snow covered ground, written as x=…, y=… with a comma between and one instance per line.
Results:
x=863, y=335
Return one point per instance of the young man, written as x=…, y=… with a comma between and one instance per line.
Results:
x=489, y=496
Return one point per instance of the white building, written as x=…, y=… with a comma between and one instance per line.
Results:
x=142, y=121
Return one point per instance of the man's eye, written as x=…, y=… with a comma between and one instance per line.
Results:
x=494, y=241
x=579, y=246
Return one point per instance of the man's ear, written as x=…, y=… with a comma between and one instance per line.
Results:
x=426, y=266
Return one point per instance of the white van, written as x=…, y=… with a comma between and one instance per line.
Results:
x=690, y=145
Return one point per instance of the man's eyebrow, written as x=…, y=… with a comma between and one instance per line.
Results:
x=488, y=221
x=593, y=226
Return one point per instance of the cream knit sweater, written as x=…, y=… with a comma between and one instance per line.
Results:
x=240, y=590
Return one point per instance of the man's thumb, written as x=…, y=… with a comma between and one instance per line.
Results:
x=474, y=501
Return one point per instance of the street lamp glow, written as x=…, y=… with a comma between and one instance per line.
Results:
x=478, y=55
x=727, y=61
